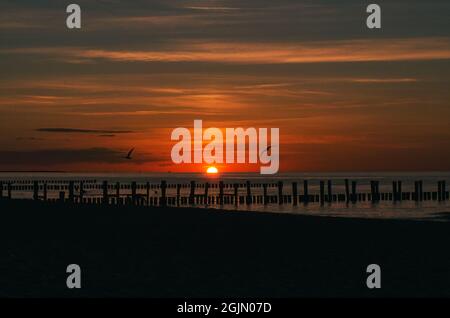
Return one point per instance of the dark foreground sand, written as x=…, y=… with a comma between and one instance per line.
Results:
x=130, y=251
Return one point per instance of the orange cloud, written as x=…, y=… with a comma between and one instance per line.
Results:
x=435, y=48
x=280, y=53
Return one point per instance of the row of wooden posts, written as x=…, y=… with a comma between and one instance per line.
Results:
x=351, y=194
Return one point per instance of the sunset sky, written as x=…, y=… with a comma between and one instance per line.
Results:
x=344, y=97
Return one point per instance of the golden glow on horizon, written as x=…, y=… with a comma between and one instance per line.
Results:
x=212, y=170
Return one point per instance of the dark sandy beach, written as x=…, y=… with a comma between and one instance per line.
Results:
x=167, y=252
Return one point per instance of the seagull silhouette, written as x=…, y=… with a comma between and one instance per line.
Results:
x=129, y=154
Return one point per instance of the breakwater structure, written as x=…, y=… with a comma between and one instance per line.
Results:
x=162, y=193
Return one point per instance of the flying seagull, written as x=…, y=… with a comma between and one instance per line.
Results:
x=129, y=154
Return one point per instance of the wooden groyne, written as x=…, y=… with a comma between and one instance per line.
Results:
x=214, y=193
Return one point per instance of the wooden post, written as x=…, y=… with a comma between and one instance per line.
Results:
x=35, y=190
x=236, y=197
x=178, y=194
x=221, y=192
x=163, y=193
x=354, y=191
x=280, y=192
x=305, y=192
x=192, y=193
x=394, y=191
x=439, y=190
x=248, y=198
x=444, y=191
x=294, y=194
x=399, y=191
x=372, y=191
x=133, y=192
x=330, y=192
x=61, y=196
x=206, y=192
x=81, y=192
x=105, y=199
x=322, y=192
x=265, y=198
x=117, y=193
x=347, y=191
x=71, y=191
x=45, y=192
x=421, y=190
x=377, y=191
x=376, y=185
x=416, y=191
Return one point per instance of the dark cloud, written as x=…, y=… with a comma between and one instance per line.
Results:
x=40, y=23
x=49, y=157
x=83, y=131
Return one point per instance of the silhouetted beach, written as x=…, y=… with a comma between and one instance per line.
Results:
x=129, y=251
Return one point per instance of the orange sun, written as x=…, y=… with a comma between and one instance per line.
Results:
x=212, y=170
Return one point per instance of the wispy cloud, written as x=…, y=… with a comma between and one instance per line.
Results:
x=204, y=8
x=414, y=49
x=383, y=80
